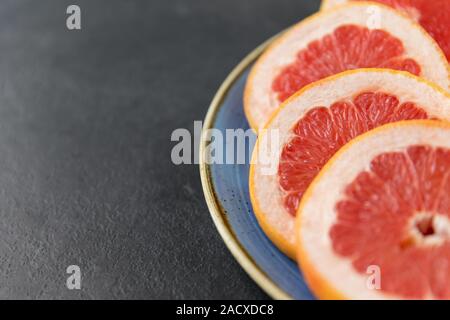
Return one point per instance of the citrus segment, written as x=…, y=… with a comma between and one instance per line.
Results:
x=395, y=210
x=348, y=47
x=432, y=15
x=339, y=40
x=386, y=206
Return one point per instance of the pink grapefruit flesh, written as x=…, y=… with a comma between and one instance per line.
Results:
x=348, y=47
x=322, y=132
x=434, y=16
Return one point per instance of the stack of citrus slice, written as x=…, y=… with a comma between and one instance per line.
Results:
x=383, y=199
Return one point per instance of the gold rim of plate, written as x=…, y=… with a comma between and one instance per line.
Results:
x=217, y=213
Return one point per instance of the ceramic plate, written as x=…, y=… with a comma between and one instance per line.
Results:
x=227, y=195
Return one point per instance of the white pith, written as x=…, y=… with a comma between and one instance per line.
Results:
x=261, y=101
x=441, y=227
x=318, y=211
x=266, y=189
x=328, y=4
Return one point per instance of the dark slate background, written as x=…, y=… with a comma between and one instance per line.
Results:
x=85, y=124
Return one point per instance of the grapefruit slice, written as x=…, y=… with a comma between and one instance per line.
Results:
x=381, y=203
x=338, y=40
x=434, y=16
x=314, y=123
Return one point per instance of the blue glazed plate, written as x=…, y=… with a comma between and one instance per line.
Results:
x=227, y=195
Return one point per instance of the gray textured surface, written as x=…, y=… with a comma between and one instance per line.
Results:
x=85, y=124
